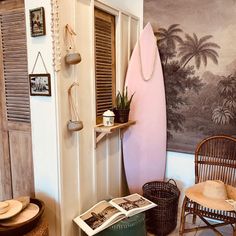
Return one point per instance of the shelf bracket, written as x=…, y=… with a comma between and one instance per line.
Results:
x=104, y=130
x=100, y=137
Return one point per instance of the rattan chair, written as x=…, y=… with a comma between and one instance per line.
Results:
x=215, y=159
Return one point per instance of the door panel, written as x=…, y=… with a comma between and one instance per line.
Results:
x=16, y=167
x=21, y=163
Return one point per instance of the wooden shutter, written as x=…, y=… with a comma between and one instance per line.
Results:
x=15, y=66
x=104, y=61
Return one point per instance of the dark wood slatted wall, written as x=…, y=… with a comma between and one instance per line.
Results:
x=15, y=66
x=104, y=61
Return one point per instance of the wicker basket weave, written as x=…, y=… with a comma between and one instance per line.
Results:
x=162, y=219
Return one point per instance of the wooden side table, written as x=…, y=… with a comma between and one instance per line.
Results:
x=41, y=229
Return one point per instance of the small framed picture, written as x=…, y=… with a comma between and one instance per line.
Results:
x=40, y=84
x=37, y=22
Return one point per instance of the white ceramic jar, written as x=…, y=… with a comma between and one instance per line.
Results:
x=108, y=118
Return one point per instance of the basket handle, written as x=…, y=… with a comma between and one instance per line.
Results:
x=172, y=181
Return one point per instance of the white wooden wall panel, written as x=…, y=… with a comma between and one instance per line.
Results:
x=98, y=170
x=134, y=33
x=124, y=47
x=102, y=170
x=114, y=166
x=85, y=75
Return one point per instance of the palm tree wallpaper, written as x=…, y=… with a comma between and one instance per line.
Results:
x=197, y=44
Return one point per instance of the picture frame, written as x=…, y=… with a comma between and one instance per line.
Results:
x=37, y=22
x=40, y=84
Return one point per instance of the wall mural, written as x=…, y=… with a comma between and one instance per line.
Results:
x=196, y=40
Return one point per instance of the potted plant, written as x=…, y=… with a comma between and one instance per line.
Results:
x=122, y=106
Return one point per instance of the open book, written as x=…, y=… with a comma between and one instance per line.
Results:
x=105, y=214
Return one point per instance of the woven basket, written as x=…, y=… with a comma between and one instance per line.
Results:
x=162, y=219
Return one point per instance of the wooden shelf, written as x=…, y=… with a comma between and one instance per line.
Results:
x=104, y=130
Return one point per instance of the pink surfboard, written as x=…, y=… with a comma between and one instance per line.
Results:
x=144, y=144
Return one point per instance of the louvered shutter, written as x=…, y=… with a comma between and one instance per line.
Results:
x=104, y=61
x=15, y=66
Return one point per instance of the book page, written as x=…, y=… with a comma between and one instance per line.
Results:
x=98, y=217
x=132, y=204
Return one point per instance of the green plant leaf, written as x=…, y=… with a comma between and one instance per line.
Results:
x=130, y=100
x=122, y=99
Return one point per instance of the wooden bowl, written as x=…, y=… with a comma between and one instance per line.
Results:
x=23, y=228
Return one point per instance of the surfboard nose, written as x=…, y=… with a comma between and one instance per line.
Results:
x=148, y=29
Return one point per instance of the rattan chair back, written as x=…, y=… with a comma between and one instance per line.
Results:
x=215, y=159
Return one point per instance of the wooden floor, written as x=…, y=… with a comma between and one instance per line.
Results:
x=226, y=230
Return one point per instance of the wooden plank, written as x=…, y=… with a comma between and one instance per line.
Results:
x=5, y=173
x=14, y=17
x=105, y=130
x=11, y=63
x=16, y=93
x=17, y=78
x=10, y=105
x=10, y=41
x=103, y=104
x=18, y=103
x=11, y=36
x=17, y=86
x=10, y=5
x=12, y=58
x=24, y=119
x=19, y=126
x=20, y=86
x=19, y=118
x=21, y=163
x=13, y=99
x=109, y=129
x=18, y=112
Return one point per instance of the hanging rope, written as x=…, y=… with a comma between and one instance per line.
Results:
x=69, y=35
x=74, y=114
x=74, y=124
x=72, y=56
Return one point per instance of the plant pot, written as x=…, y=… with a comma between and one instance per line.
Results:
x=121, y=115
